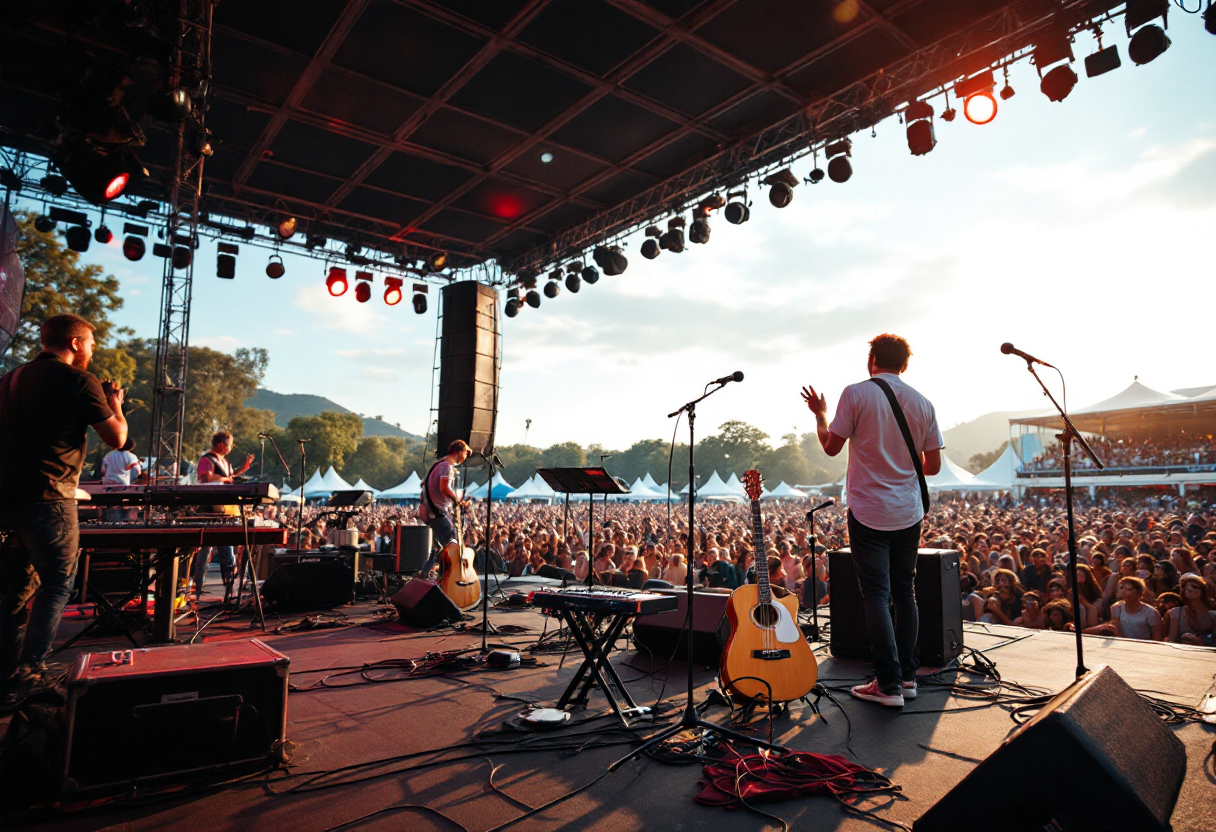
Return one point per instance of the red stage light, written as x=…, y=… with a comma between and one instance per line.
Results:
x=980, y=108
x=505, y=206
x=363, y=292
x=133, y=248
x=392, y=290
x=117, y=185
x=336, y=282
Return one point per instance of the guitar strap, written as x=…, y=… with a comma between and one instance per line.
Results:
x=902, y=421
x=426, y=490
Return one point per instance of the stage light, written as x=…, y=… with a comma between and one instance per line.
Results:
x=100, y=176
x=1058, y=82
x=839, y=167
x=533, y=298
x=177, y=105
x=202, y=144
x=1007, y=92
x=392, y=290
x=44, y=224
x=162, y=250
x=133, y=248
x=948, y=114
x=650, y=249
x=336, y=281
x=315, y=241
x=225, y=261
x=1209, y=19
x=546, y=157
x=419, y=299
x=1102, y=62
x=572, y=283
x=363, y=286
x=275, y=268
x=590, y=275
x=698, y=232
x=103, y=235
x=552, y=288
x=287, y=228
x=556, y=274
x=54, y=184
x=919, y=118
x=10, y=180
x=181, y=257
x=438, y=261
x=980, y=108
x=610, y=259
x=737, y=212
x=816, y=175
x=1147, y=44
x=673, y=240
x=512, y=308
x=78, y=238
x=781, y=187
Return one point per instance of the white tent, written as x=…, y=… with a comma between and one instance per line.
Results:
x=334, y=482
x=411, y=489
x=287, y=494
x=951, y=477
x=1001, y=475
x=640, y=491
x=784, y=491
x=649, y=482
x=534, y=489
x=501, y=489
x=735, y=486
x=316, y=486
x=715, y=489
x=362, y=486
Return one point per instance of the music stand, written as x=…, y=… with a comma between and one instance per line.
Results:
x=589, y=481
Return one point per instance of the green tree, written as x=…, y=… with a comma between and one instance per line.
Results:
x=823, y=468
x=564, y=455
x=57, y=283
x=786, y=463
x=378, y=460
x=519, y=463
x=737, y=447
x=331, y=437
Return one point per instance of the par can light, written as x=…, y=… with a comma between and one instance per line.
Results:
x=1058, y=82
x=980, y=107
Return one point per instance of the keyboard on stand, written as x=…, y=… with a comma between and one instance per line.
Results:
x=603, y=600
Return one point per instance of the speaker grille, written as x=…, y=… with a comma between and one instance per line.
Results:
x=468, y=366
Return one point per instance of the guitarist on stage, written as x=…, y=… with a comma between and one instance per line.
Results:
x=887, y=501
x=438, y=498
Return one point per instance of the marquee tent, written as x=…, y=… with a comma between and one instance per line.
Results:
x=501, y=489
x=334, y=482
x=362, y=486
x=784, y=491
x=951, y=477
x=316, y=487
x=411, y=489
x=534, y=489
x=1000, y=475
x=649, y=482
x=715, y=489
x=735, y=486
x=640, y=491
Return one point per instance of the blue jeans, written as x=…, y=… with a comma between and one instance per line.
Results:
x=44, y=540
x=444, y=533
x=886, y=573
x=225, y=556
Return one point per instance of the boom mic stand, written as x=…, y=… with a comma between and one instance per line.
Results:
x=690, y=721
x=1069, y=435
x=814, y=576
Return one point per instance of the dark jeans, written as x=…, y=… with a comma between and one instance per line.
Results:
x=886, y=573
x=44, y=541
x=444, y=533
x=225, y=556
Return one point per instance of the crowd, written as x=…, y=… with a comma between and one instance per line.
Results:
x=1179, y=449
x=1147, y=568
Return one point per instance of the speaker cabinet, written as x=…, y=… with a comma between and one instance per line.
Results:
x=302, y=583
x=412, y=545
x=1117, y=768
x=663, y=633
x=421, y=603
x=937, y=599
x=468, y=366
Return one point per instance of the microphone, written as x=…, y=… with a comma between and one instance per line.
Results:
x=830, y=501
x=735, y=376
x=1010, y=349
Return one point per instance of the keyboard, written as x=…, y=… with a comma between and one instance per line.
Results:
x=223, y=494
x=132, y=536
x=605, y=601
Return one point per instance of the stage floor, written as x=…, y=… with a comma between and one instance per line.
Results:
x=922, y=749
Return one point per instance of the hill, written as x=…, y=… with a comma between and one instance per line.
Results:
x=287, y=406
x=979, y=436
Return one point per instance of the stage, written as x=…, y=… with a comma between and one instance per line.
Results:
x=925, y=749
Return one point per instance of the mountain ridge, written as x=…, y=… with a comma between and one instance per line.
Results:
x=286, y=406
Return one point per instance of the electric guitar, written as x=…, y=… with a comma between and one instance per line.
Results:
x=457, y=577
x=765, y=642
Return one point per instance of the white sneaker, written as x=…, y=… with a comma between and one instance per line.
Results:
x=910, y=689
x=872, y=693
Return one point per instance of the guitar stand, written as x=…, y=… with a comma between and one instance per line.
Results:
x=596, y=668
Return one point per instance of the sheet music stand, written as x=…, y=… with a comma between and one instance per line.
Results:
x=589, y=481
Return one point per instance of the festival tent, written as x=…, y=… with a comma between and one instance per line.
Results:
x=783, y=491
x=951, y=477
x=411, y=489
x=1000, y=475
x=715, y=489
x=640, y=491
x=649, y=482
x=735, y=486
x=534, y=489
x=362, y=486
x=500, y=489
x=316, y=487
x=287, y=494
x=334, y=482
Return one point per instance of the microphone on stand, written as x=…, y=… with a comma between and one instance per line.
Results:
x=1010, y=349
x=735, y=376
x=831, y=501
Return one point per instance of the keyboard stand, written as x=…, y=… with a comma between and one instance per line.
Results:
x=596, y=668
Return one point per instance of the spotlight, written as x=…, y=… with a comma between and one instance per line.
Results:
x=54, y=184
x=438, y=261
x=100, y=176
x=202, y=144
x=546, y=157
x=512, y=308
x=572, y=283
x=980, y=107
x=1102, y=62
x=419, y=299
x=363, y=286
x=336, y=282
x=816, y=175
x=1007, y=92
x=948, y=114
x=1147, y=44
x=103, y=235
x=177, y=105
x=556, y=274
x=552, y=288
x=839, y=167
x=78, y=238
x=711, y=203
x=44, y=224
x=533, y=298
x=162, y=250
x=590, y=275
x=650, y=249
x=392, y=290
x=738, y=212
x=698, y=231
x=275, y=268
x=781, y=187
x=574, y=267
x=287, y=228
x=610, y=259
x=1209, y=19
x=181, y=257
x=1058, y=82
x=673, y=240
x=133, y=247
x=225, y=261
x=315, y=241
x=919, y=118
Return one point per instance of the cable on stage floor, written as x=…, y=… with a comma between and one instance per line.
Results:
x=447, y=664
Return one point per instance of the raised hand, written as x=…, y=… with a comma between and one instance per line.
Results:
x=815, y=403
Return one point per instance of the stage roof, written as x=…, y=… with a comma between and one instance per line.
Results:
x=428, y=124
x=1134, y=409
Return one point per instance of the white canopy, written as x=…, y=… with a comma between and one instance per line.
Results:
x=951, y=477
x=714, y=488
x=641, y=491
x=534, y=489
x=1000, y=475
x=735, y=486
x=316, y=486
x=410, y=489
x=335, y=482
x=289, y=495
x=362, y=486
x=500, y=488
x=783, y=491
x=649, y=482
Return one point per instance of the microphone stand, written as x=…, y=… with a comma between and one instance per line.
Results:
x=690, y=721
x=287, y=468
x=814, y=576
x=300, y=515
x=1069, y=435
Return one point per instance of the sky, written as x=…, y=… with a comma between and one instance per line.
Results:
x=1081, y=231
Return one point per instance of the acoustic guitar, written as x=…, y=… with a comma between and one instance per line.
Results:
x=457, y=577
x=765, y=642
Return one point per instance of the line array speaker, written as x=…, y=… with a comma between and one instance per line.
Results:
x=468, y=366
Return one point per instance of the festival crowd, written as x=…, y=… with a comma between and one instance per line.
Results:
x=1180, y=449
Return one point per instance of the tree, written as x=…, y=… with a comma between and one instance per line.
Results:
x=519, y=463
x=823, y=468
x=737, y=447
x=331, y=437
x=979, y=462
x=378, y=460
x=564, y=455
x=786, y=463
x=57, y=283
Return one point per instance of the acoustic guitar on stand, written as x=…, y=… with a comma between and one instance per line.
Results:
x=766, y=657
x=457, y=577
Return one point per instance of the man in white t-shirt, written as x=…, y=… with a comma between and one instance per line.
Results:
x=120, y=466
x=885, y=506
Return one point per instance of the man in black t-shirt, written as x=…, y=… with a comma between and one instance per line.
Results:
x=46, y=407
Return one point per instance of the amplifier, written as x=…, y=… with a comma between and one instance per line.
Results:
x=937, y=598
x=168, y=713
x=412, y=545
x=663, y=633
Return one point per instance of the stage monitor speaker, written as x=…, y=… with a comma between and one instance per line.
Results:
x=309, y=585
x=1118, y=768
x=468, y=366
x=937, y=598
x=421, y=603
x=662, y=634
x=412, y=546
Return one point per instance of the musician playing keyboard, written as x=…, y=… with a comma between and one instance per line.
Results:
x=214, y=467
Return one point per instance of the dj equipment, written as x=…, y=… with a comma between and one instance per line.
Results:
x=602, y=601
x=225, y=701
x=230, y=494
x=1103, y=739
x=937, y=599
x=421, y=603
x=412, y=546
x=663, y=634
x=468, y=366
